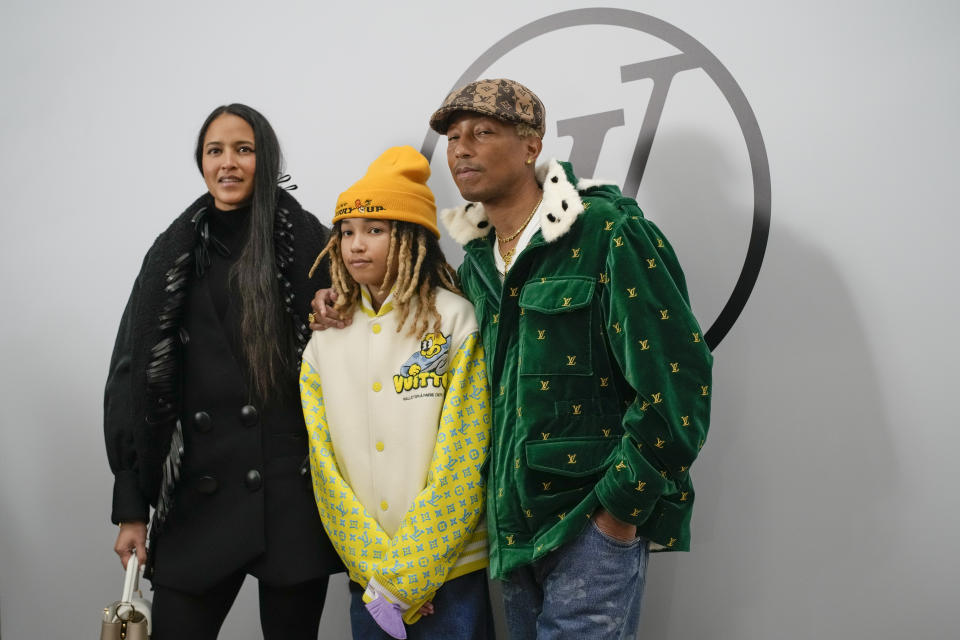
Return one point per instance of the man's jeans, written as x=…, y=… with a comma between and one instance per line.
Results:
x=589, y=588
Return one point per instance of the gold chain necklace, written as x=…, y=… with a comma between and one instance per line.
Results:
x=522, y=227
x=508, y=255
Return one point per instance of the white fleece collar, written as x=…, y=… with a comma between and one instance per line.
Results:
x=560, y=207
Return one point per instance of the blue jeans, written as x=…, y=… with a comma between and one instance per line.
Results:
x=461, y=612
x=589, y=588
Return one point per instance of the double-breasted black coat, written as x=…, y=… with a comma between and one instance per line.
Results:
x=242, y=498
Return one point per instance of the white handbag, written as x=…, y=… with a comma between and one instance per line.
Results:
x=129, y=617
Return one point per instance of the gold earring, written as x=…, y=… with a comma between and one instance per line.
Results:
x=529, y=160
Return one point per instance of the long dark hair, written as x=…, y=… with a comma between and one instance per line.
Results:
x=266, y=333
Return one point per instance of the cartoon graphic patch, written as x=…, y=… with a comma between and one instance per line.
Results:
x=433, y=356
x=427, y=367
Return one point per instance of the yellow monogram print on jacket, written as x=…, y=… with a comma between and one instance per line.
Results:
x=439, y=528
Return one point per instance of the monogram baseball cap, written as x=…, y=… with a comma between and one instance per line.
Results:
x=500, y=98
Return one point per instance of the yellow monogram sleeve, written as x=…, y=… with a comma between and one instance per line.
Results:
x=438, y=536
x=355, y=534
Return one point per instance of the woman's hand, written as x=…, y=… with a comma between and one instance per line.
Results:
x=427, y=609
x=131, y=539
x=324, y=316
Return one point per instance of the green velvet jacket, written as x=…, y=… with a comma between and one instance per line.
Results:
x=598, y=370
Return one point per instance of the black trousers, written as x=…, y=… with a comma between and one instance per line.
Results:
x=286, y=613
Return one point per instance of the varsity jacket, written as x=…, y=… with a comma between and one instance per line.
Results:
x=599, y=374
x=398, y=429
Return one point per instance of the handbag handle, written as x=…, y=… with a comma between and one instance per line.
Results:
x=131, y=581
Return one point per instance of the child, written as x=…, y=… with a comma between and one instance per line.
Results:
x=397, y=412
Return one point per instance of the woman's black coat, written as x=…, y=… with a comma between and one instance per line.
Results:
x=243, y=500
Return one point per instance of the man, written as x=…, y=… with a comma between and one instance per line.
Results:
x=599, y=373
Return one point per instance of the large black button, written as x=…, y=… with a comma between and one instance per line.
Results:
x=207, y=485
x=253, y=480
x=202, y=421
x=249, y=415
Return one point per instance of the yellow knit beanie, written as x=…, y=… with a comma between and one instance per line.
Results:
x=394, y=188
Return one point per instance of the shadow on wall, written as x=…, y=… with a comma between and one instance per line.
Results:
x=703, y=201
x=794, y=483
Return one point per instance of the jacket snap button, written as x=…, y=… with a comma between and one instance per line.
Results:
x=207, y=485
x=249, y=415
x=202, y=420
x=253, y=480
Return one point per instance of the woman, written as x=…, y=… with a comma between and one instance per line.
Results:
x=202, y=413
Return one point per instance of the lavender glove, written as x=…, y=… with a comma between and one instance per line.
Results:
x=388, y=616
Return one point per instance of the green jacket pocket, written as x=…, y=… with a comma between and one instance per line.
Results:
x=555, y=328
x=573, y=457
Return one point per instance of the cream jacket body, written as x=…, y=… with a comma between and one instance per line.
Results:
x=398, y=429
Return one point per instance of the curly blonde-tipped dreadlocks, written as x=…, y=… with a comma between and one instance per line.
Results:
x=415, y=267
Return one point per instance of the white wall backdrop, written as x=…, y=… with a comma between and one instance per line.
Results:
x=826, y=494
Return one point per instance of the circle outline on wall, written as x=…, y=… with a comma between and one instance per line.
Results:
x=756, y=149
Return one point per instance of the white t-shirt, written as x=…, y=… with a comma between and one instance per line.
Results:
x=532, y=227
